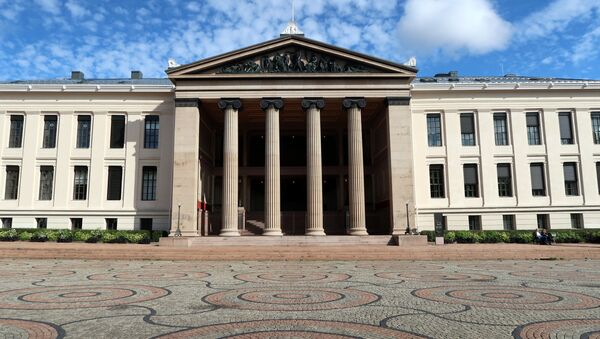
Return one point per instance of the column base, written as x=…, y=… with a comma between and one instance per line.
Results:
x=184, y=233
x=229, y=233
x=359, y=231
x=315, y=232
x=272, y=233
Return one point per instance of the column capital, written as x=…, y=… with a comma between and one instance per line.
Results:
x=397, y=101
x=235, y=103
x=275, y=102
x=350, y=102
x=187, y=102
x=309, y=102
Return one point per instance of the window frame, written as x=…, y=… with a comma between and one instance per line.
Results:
x=566, y=140
x=501, y=116
x=571, y=186
x=434, y=139
x=14, y=185
x=13, y=136
x=439, y=186
x=534, y=132
x=577, y=221
x=468, y=139
x=595, y=120
x=152, y=131
x=149, y=183
x=83, y=136
x=475, y=223
x=46, y=185
x=471, y=190
x=109, y=187
x=512, y=220
x=537, y=192
x=505, y=189
x=117, y=141
x=50, y=133
x=80, y=187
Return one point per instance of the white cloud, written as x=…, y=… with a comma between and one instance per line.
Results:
x=556, y=17
x=76, y=10
x=453, y=27
x=50, y=6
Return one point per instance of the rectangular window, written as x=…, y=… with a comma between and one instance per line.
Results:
x=111, y=224
x=538, y=181
x=76, y=224
x=115, y=175
x=151, y=129
x=533, y=128
x=543, y=221
x=500, y=129
x=596, y=126
x=11, y=188
x=84, y=127
x=504, y=180
x=434, y=130
x=117, y=131
x=15, y=139
x=474, y=223
x=509, y=222
x=149, y=183
x=50, y=128
x=146, y=224
x=598, y=175
x=576, y=220
x=6, y=223
x=436, y=181
x=41, y=222
x=570, y=172
x=467, y=129
x=471, y=180
x=46, y=182
x=80, y=183
x=566, y=128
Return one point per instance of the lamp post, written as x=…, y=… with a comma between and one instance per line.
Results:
x=178, y=231
x=407, y=220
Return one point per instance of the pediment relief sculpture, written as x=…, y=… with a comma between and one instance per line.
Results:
x=294, y=61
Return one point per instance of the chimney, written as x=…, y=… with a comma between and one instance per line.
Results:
x=77, y=75
x=136, y=75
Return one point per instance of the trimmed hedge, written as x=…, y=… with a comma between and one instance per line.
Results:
x=520, y=237
x=89, y=236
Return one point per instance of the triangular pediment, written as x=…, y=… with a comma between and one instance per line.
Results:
x=290, y=55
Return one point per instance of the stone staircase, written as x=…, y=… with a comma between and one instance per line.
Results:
x=297, y=240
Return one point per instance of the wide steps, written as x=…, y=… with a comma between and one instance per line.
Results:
x=298, y=240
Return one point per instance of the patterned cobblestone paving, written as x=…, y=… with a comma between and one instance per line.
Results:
x=300, y=299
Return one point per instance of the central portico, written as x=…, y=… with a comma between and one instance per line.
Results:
x=292, y=137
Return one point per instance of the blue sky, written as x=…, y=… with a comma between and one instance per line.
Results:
x=41, y=39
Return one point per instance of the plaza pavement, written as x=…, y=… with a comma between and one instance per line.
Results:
x=49, y=298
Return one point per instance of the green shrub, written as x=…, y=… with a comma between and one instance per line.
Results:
x=117, y=237
x=569, y=237
x=492, y=237
x=465, y=237
x=81, y=236
x=521, y=237
x=52, y=235
x=156, y=235
x=9, y=235
x=449, y=237
x=138, y=238
x=593, y=237
x=430, y=235
x=95, y=236
x=64, y=236
x=25, y=236
x=39, y=236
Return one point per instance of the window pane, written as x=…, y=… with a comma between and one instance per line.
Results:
x=467, y=129
x=538, y=186
x=11, y=188
x=566, y=133
x=570, y=173
x=436, y=181
x=475, y=223
x=115, y=174
x=80, y=183
x=46, y=182
x=149, y=183
x=16, y=131
x=151, y=129
x=434, y=130
x=50, y=126
x=84, y=123
x=533, y=129
x=500, y=129
x=509, y=222
x=504, y=180
x=596, y=127
x=117, y=131
x=576, y=220
x=471, y=180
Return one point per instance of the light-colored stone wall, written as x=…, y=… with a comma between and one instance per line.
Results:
x=100, y=104
x=484, y=101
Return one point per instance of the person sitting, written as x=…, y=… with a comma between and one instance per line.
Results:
x=549, y=239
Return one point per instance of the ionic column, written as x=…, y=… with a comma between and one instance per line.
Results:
x=271, y=106
x=356, y=176
x=314, y=220
x=229, y=220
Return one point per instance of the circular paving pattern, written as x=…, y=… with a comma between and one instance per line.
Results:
x=569, y=328
x=16, y=328
x=508, y=297
x=284, y=266
x=291, y=299
x=146, y=275
x=399, y=266
x=32, y=273
x=296, y=328
x=558, y=275
x=292, y=277
x=66, y=297
x=436, y=276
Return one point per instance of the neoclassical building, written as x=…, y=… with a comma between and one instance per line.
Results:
x=297, y=137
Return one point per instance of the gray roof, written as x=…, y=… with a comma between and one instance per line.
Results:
x=124, y=81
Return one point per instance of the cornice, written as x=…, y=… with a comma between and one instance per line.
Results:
x=78, y=88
